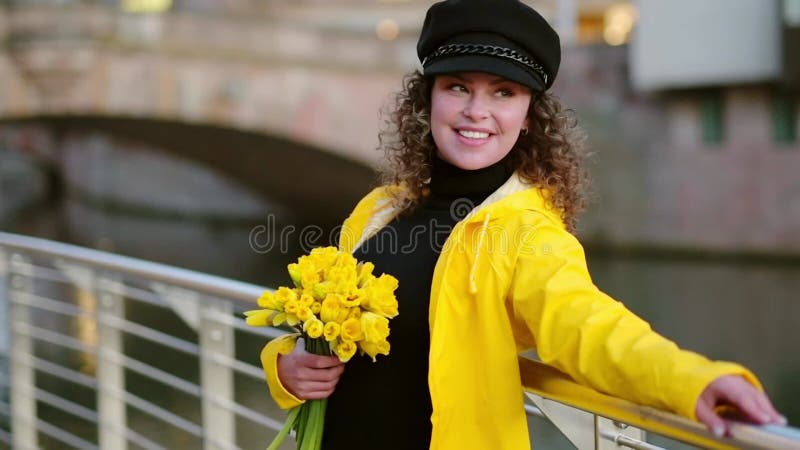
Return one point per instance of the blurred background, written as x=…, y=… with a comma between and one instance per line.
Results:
x=171, y=130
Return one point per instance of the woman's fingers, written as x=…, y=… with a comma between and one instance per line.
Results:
x=706, y=415
x=750, y=403
x=311, y=389
x=309, y=376
x=313, y=374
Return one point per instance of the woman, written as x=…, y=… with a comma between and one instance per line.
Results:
x=484, y=187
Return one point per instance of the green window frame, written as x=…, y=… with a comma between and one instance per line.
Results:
x=712, y=116
x=784, y=117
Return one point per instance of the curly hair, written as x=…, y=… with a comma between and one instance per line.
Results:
x=551, y=155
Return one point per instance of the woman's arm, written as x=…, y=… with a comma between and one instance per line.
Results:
x=596, y=340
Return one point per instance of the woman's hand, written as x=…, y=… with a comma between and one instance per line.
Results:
x=308, y=376
x=734, y=391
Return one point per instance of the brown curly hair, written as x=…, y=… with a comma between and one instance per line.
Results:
x=550, y=155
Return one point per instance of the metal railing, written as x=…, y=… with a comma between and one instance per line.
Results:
x=70, y=314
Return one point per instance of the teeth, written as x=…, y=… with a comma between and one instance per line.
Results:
x=473, y=134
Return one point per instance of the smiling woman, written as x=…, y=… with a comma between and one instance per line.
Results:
x=478, y=128
x=476, y=118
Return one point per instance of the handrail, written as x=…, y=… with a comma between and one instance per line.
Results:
x=539, y=379
x=189, y=279
x=552, y=384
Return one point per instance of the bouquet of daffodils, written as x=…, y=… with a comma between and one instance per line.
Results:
x=339, y=307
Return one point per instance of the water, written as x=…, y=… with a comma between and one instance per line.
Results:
x=739, y=311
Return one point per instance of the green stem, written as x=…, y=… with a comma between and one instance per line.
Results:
x=302, y=422
x=285, y=430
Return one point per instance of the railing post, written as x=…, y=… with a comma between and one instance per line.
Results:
x=23, y=376
x=609, y=432
x=216, y=339
x=5, y=335
x=110, y=374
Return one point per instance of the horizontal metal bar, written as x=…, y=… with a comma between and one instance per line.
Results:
x=548, y=382
x=629, y=442
x=58, y=370
x=239, y=366
x=142, y=295
x=54, y=338
x=208, y=284
x=63, y=436
x=5, y=437
x=51, y=305
x=247, y=413
x=150, y=334
x=49, y=274
x=138, y=439
x=533, y=410
x=65, y=405
x=155, y=411
x=151, y=372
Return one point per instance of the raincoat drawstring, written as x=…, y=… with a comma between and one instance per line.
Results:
x=473, y=285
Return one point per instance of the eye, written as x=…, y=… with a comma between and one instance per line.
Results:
x=505, y=92
x=457, y=87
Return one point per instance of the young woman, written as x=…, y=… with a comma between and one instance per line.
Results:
x=483, y=189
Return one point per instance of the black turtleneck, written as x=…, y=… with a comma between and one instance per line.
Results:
x=386, y=404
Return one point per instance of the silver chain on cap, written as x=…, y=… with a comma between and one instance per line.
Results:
x=488, y=50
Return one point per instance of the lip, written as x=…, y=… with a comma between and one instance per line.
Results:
x=472, y=142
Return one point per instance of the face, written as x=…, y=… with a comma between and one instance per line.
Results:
x=476, y=118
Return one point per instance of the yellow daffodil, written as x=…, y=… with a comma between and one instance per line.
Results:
x=258, y=317
x=284, y=294
x=278, y=319
x=304, y=313
x=365, y=272
x=355, y=313
x=313, y=327
x=291, y=307
x=374, y=348
x=306, y=299
x=332, y=309
x=380, y=297
x=315, y=307
x=351, y=329
x=268, y=301
x=331, y=331
x=294, y=274
x=375, y=327
x=345, y=350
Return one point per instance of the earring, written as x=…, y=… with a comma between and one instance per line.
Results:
x=523, y=132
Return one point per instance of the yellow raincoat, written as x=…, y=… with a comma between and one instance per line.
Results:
x=510, y=278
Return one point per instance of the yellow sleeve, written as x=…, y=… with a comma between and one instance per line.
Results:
x=595, y=339
x=282, y=345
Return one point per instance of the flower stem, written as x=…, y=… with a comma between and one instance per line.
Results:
x=290, y=420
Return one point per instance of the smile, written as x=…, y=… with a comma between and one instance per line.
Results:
x=473, y=134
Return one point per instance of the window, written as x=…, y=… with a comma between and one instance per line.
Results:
x=712, y=115
x=784, y=117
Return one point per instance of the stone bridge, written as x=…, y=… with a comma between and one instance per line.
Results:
x=284, y=97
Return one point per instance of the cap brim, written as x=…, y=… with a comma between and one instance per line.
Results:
x=485, y=64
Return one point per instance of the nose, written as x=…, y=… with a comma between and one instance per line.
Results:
x=477, y=108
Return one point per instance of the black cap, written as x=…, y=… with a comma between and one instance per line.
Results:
x=502, y=37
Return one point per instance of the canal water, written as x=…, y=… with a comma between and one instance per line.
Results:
x=727, y=309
